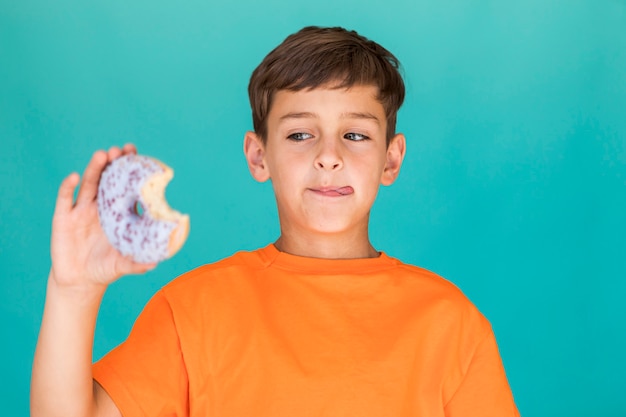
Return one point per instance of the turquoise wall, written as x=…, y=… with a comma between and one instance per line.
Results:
x=514, y=185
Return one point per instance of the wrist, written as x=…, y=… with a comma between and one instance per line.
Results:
x=86, y=292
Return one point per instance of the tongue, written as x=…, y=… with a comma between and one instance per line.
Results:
x=345, y=190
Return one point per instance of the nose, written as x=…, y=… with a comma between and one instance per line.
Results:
x=329, y=155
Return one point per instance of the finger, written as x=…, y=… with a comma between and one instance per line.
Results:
x=114, y=153
x=89, y=187
x=129, y=148
x=65, y=195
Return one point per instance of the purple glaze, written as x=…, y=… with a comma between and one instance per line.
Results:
x=143, y=237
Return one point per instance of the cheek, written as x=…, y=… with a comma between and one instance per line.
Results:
x=285, y=181
x=370, y=170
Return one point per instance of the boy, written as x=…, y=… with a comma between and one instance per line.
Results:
x=319, y=323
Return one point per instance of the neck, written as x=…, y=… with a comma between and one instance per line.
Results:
x=327, y=247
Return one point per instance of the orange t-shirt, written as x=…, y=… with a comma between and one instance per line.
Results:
x=266, y=333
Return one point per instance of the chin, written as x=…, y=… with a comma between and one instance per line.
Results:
x=331, y=228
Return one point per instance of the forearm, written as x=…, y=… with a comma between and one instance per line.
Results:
x=62, y=380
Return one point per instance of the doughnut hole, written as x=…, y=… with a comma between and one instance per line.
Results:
x=138, y=209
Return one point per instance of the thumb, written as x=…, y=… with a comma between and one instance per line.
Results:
x=127, y=266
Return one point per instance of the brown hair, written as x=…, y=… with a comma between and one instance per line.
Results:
x=316, y=56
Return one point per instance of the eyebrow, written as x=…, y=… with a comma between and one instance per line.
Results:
x=298, y=115
x=348, y=115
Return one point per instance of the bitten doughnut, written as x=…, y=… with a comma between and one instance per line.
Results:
x=133, y=212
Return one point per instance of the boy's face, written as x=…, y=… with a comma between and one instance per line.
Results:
x=326, y=154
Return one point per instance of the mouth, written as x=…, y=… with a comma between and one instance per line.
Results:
x=333, y=191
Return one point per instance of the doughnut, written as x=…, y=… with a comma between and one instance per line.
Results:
x=133, y=211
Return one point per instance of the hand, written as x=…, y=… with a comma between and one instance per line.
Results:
x=81, y=253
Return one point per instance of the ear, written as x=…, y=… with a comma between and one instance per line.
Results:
x=395, y=156
x=254, y=151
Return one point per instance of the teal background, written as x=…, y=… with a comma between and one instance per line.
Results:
x=514, y=186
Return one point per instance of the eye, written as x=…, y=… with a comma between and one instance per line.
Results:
x=355, y=136
x=298, y=136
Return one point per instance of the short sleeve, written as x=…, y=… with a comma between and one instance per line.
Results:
x=146, y=375
x=484, y=390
